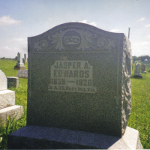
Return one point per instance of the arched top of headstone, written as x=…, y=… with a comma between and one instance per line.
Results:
x=74, y=37
x=3, y=81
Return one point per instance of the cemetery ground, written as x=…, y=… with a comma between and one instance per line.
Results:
x=140, y=109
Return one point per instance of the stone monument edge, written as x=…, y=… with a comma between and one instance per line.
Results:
x=75, y=24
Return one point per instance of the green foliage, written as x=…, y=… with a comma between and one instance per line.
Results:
x=10, y=126
x=140, y=58
x=140, y=113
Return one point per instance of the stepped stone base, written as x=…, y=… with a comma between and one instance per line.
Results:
x=7, y=98
x=19, y=67
x=12, y=111
x=37, y=137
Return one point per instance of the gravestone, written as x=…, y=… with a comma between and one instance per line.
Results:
x=19, y=64
x=143, y=68
x=12, y=82
x=22, y=74
x=3, y=81
x=25, y=58
x=7, y=102
x=79, y=90
x=137, y=72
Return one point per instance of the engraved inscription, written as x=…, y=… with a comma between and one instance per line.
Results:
x=72, y=76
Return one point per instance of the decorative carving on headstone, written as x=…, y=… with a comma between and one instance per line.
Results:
x=80, y=39
x=40, y=45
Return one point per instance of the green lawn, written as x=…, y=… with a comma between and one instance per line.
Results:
x=140, y=113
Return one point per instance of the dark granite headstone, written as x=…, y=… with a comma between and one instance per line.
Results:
x=25, y=58
x=143, y=68
x=12, y=82
x=137, y=72
x=79, y=80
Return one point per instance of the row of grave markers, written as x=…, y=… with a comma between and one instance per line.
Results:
x=20, y=62
x=19, y=57
x=138, y=69
x=7, y=101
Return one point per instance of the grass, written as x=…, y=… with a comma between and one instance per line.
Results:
x=140, y=112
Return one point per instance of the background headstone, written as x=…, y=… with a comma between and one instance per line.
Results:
x=7, y=102
x=25, y=58
x=22, y=74
x=3, y=81
x=137, y=72
x=12, y=82
x=19, y=64
x=143, y=68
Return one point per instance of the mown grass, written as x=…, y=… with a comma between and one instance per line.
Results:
x=140, y=112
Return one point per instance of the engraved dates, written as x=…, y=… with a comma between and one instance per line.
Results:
x=72, y=76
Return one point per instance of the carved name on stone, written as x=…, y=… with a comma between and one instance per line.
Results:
x=72, y=76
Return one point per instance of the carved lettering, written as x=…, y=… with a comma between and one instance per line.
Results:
x=72, y=76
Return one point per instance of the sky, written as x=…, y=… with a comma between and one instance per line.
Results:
x=20, y=19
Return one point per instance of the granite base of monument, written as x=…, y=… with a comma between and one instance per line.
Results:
x=15, y=111
x=37, y=137
x=137, y=76
x=19, y=68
